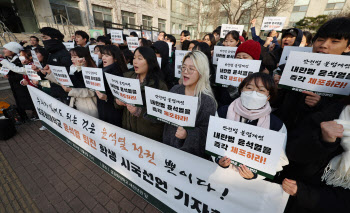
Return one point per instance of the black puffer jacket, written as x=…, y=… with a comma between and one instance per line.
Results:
x=59, y=56
x=308, y=156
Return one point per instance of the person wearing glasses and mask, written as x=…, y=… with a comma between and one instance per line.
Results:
x=194, y=81
x=253, y=107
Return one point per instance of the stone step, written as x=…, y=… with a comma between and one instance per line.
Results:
x=5, y=87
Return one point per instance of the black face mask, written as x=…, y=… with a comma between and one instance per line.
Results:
x=52, y=45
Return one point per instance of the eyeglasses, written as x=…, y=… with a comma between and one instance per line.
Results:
x=189, y=70
x=259, y=93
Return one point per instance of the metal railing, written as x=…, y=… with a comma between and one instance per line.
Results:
x=6, y=35
x=61, y=23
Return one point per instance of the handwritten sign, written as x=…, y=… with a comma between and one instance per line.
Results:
x=223, y=52
x=288, y=49
x=176, y=109
x=273, y=23
x=61, y=75
x=36, y=60
x=117, y=36
x=324, y=74
x=133, y=43
x=32, y=75
x=93, y=78
x=69, y=45
x=255, y=147
x=233, y=72
x=95, y=58
x=179, y=56
x=225, y=28
x=127, y=90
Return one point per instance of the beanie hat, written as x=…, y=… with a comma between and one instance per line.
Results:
x=241, y=38
x=250, y=47
x=13, y=47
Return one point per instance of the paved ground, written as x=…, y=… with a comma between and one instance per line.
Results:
x=40, y=173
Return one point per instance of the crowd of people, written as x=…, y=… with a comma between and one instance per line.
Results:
x=314, y=166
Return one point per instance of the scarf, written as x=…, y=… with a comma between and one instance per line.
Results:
x=237, y=110
x=53, y=45
x=337, y=173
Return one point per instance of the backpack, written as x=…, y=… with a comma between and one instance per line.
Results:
x=7, y=128
x=12, y=114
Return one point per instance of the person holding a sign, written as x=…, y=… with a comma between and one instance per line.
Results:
x=249, y=50
x=293, y=106
x=232, y=39
x=194, y=81
x=253, y=107
x=113, y=63
x=12, y=62
x=58, y=56
x=81, y=97
x=148, y=72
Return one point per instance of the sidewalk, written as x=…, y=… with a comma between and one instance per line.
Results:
x=40, y=173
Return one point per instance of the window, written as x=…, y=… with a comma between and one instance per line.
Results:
x=162, y=3
x=147, y=21
x=161, y=24
x=101, y=14
x=300, y=8
x=69, y=10
x=334, y=7
x=128, y=18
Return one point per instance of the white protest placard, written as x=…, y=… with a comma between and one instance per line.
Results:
x=155, y=36
x=324, y=74
x=255, y=147
x=170, y=48
x=127, y=90
x=273, y=23
x=32, y=75
x=288, y=49
x=176, y=109
x=117, y=36
x=69, y=45
x=133, y=43
x=4, y=71
x=162, y=175
x=95, y=58
x=179, y=56
x=225, y=28
x=159, y=60
x=93, y=78
x=36, y=60
x=234, y=71
x=61, y=75
x=223, y=52
x=92, y=49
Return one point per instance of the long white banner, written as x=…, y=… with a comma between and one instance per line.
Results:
x=169, y=179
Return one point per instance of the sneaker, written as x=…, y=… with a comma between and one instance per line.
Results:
x=42, y=128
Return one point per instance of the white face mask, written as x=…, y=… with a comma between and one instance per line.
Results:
x=22, y=58
x=253, y=100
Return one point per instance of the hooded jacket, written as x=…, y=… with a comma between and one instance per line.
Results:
x=168, y=73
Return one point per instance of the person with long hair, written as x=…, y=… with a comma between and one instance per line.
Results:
x=210, y=40
x=113, y=63
x=81, y=98
x=194, y=81
x=148, y=72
